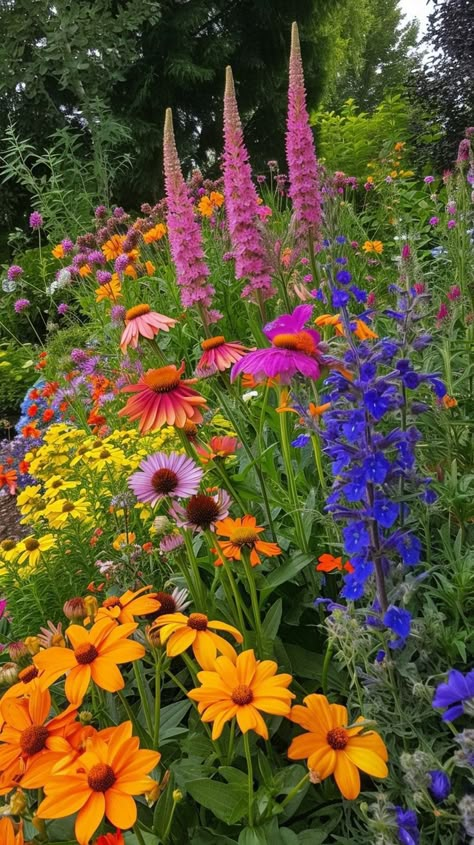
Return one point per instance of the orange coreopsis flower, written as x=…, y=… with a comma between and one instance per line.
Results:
x=155, y=234
x=328, y=563
x=182, y=631
x=113, y=247
x=243, y=534
x=332, y=747
x=112, y=290
x=242, y=689
x=8, y=478
x=101, y=782
x=29, y=744
x=373, y=246
x=162, y=397
x=124, y=608
x=58, y=251
x=94, y=656
x=8, y=836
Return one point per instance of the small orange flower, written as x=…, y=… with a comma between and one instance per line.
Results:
x=182, y=631
x=328, y=563
x=155, y=234
x=8, y=477
x=111, y=838
x=113, y=247
x=112, y=290
x=218, y=447
x=130, y=604
x=58, y=251
x=318, y=410
x=449, y=401
x=373, y=246
x=243, y=534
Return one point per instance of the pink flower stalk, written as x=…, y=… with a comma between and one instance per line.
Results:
x=241, y=203
x=300, y=151
x=443, y=313
x=184, y=233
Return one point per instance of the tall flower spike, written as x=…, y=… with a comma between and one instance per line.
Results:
x=300, y=151
x=241, y=202
x=184, y=232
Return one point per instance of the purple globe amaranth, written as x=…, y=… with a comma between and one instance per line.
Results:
x=184, y=233
x=241, y=204
x=300, y=151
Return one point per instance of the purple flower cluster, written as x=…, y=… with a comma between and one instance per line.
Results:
x=407, y=826
x=455, y=694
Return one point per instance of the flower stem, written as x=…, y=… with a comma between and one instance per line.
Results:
x=294, y=791
x=195, y=568
x=250, y=777
x=138, y=834
x=142, y=693
x=156, y=728
x=285, y=447
x=326, y=664
x=254, y=599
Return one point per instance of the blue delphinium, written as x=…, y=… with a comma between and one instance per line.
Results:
x=455, y=694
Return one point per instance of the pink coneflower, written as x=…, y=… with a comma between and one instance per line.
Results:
x=36, y=220
x=160, y=475
x=241, y=203
x=300, y=151
x=201, y=512
x=219, y=354
x=170, y=543
x=162, y=397
x=295, y=349
x=142, y=321
x=218, y=447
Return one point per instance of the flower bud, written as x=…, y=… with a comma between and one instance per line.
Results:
x=32, y=644
x=177, y=796
x=91, y=605
x=75, y=609
x=9, y=674
x=153, y=636
x=85, y=717
x=18, y=803
x=18, y=650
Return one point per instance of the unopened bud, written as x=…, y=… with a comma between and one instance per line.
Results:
x=91, y=605
x=9, y=674
x=85, y=717
x=18, y=650
x=18, y=803
x=314, y=776
x=153, y=794
x=177, y=796
x=153, y=636
x=33, y=645
x=75, y=609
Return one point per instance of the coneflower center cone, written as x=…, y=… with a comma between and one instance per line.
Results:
x=164, y=480
x=86, y=653
x=243, y=536
x=212, y=342
x=137, y=311
x=242, y=695
x=337, y=738
x=202, y=510
x=101, y=777
x=33, y=739
x=28, y=674
x=198, y=622
x=163, y=380
x=31, y=544
x=299, y=342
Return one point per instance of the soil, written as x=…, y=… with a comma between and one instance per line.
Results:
x=10, y=519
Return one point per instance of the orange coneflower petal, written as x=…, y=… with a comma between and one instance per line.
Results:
x=220, y=721
x=347, y=777
x=136, y=785
x=273, y=705
x=106, y=675
x=123, y=652
x=54, y=662
x=223, y=626
x=366, y=760
x=90, y=817
x=120, y=808
x=77, y=682
x=223, y=646
x=249, y=719
x=303, y=746
x=247, y=665
x=142, y=761
x=338, y=715
x=69, y=797
x=254, y=558
x=77, y=635
x=319, y=709
x=180, y=641
x=16, y=714
x=371, y=741
x=323, y=761
x=39, y=706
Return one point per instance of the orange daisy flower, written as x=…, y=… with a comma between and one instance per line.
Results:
x=112, y=290
x=58, y=251
x=332, y=747
x=162, y=397
x=29, y=744
x=113, y=247
x=182, y=631
x=130, y=604
x=101, y=782
x=155, y=234
x=8, y=478
x=94, y=656
x=8, y=836
x=373, y=246
x=243, y=534
x=328, y=563
x=361, y=330
x=242, y=689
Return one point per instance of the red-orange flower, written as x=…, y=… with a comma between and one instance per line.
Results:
x=328, y=563
x=8, y=478
x=243, y=534
x=162, y=397
x=111, y=839
x=218, y=447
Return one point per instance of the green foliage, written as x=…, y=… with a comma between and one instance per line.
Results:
x=60, y=345
x=17, y=374
x=347, y=141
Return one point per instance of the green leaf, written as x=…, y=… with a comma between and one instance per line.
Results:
x=171, y=716
x=252, y=836
x=272, y=620
x=286, y=572
x=227, y=801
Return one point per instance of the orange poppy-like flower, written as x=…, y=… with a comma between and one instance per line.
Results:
x=328, y=563
x=113, y=247
x=373, y=246
x=8, y=836
x=141, y=321
x=155, y=234
x=243, y=534
x=195, y=630
x=332, y=747
x=111, y=839
x=162, y=397
x=111, y=290
x=8, y=478
x=101, y=782
x=242, y=689
x=29, y=744
x=218, y=447
x=124, y=608
x=94, y=656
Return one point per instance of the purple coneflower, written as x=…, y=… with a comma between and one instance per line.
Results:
x=67, y=245
x=21, y=305
x=36, y=220
x=160, y=475
x=294, y=349
x=171, y=542
x=202, y=511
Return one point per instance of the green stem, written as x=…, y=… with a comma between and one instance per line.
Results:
x=138, y=834
x=326, y=664
x=188, y=542
x=250, y=777
x=228, y=483
x=170, y=822
x=316, y=444
x=143, y=697
x=294, y=791
x=293, y=491
x=156, y=731
x=254, y=599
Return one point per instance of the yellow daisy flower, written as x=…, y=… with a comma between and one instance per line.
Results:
x=32, y=547
x=63, y=510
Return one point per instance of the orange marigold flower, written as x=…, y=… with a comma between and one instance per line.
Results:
x=373, y=246
x=155, y=234
x=328, y=563
x=94, y=655
x=58, y=251
x=332, y=747
x=242, y=689
x=8, y=836
x=124, y=608
x=194, y=630
x=8, y=478
x=217, y=198
x=113, y=247
x=162, y=397
x=101, y=782
x=243, y=534
x=205, y=207
x=29, y=744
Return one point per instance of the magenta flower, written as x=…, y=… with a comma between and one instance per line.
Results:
x=103, y=277
x=433, y=221
x=241, y=203
x=428, y=180
x=464, y=151
x=454, y=293
x=300, y=151
x=36, y=220
x=451, y=224
x=406, y=252
x=202, y=511
x=443, y=312
x=14, y=272
x=160, y=475
x=63, y=308
x=184, y=233
x=21, y=305
x=294, y=349
x=67, y=245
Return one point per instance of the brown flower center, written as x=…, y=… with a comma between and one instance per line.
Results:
x=163, y=380
x=202, y=510
x=299, y=342
x=58, y=483
x=212, y=342
x=33, y=739
x=242, y=695
x=104, y=454
x=337, y=738
x=31, y=544
x=81, y=451
x=137, y=311
x=190, y=429
x=28, y=674
x=85, y=653
x=243, y=536
x=68, y=507
x=167, y=605
x=198, y=622
x=101, y=777
x=8, y=545
x=164, y=480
